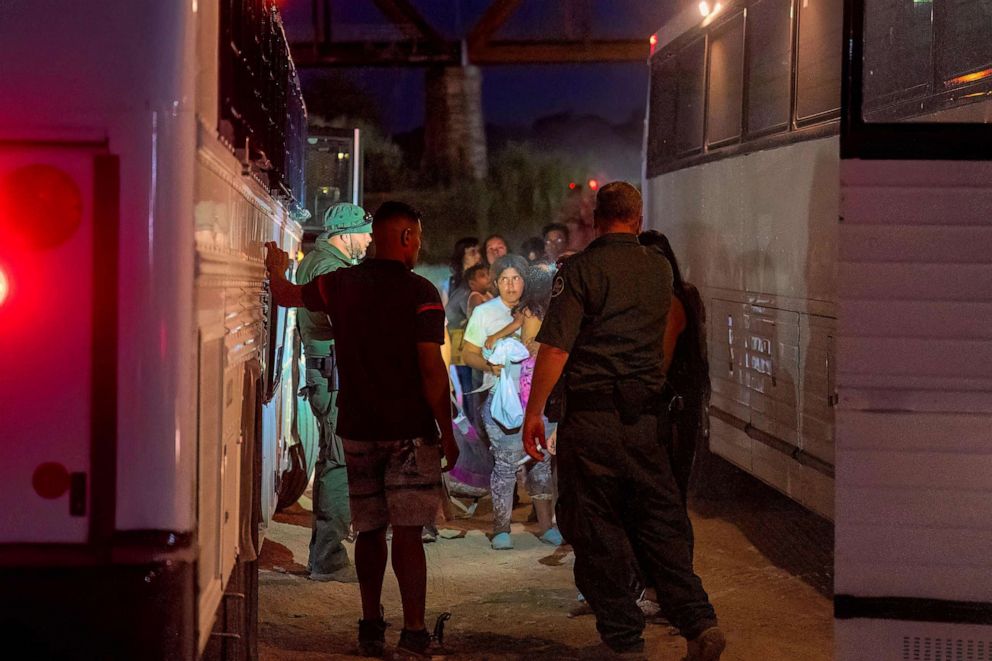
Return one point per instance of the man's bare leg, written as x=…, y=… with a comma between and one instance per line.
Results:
x=370, y=565
x=410, y=566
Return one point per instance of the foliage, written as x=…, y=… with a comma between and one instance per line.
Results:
x=525, y=190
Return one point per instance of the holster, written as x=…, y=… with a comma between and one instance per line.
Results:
x=327, y=366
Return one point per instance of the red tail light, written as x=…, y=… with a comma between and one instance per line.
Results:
x=40, y=206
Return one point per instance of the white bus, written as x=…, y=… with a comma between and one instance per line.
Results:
x=148, y=149
x=741, y=172
x=824, y=169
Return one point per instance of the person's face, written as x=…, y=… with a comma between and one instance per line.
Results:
x=471, y=257
x=495, y=248
x=555, y=243
x=481, y=282
x=358, y=244
x=511, y=286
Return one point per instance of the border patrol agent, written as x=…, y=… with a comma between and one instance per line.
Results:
x=346, y=236
x=617, y=495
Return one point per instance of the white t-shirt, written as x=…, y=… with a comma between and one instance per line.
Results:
x=486, y=319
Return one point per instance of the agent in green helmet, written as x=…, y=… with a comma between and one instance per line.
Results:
x=343, y=243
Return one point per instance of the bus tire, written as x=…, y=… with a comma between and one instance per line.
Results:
x=295, y=480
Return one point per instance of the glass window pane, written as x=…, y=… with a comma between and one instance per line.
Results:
x=689, y=115
x=821, y=25
x=897, y=41
x=726, y=82
x=769, y=35
x=927, y=61
x=661, y=122
x=965, y=46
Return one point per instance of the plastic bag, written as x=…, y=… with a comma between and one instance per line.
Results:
x=506, y=408
x=470, y=476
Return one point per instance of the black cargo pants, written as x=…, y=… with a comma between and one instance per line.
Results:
x=617, y=499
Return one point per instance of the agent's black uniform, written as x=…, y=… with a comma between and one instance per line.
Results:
x=617, y=493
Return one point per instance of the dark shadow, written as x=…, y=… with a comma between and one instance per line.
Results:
x=557, y=558
x=792, y=537
x=295, y=515
x=276, y=557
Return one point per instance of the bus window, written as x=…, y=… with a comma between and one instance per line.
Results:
x=661, y=122
x=927, y=62
x=769, y=66
x=689, y=114
x=726, y=82
x=820, y=50
x=965, y=47
x=897, y=42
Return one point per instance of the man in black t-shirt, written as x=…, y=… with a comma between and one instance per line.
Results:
x=388, y=327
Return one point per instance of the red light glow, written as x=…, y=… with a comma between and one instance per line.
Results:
x=593, y=184
x=41, y=205
x=571, y=185
x=4, y=286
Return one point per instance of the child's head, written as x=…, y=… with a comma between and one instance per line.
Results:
x=477, y=278
x=537, y=292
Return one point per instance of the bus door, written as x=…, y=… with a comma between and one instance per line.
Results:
x=914, y=358
x=58, y=324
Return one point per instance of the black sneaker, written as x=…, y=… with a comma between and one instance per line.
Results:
x=372, y=637
x=420, y=644
x=413, y=645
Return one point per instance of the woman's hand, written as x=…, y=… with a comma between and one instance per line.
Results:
x=496, y=370
x=490, y=341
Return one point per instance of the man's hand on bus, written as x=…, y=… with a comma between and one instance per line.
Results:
x=284, y=292
x=450, y=449
x=276, y=259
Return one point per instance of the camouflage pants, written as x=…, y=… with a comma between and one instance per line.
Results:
x=331, y=514
x=508, y=450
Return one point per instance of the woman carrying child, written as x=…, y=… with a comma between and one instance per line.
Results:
x=491, y=318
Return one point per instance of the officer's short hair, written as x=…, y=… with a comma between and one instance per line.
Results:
x=617, y=201
x=393, y=210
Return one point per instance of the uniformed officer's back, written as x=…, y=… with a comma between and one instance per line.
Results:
x=613, y=298
x=604, y=329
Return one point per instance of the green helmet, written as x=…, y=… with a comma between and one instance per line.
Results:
x=346, y=218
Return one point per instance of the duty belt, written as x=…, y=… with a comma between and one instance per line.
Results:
x=327, y=366
x=605, y=401
x=316, y=362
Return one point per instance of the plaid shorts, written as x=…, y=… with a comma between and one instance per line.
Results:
x=393, y=482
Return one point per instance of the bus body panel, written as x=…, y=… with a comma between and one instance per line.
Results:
x=46, y=404
x=757, y=235
x=142, y=107
x=138, y=79
x=914, y=503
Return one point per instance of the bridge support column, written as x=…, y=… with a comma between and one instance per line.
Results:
x=454, y=129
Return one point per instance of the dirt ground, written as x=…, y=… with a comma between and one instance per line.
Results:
x=766, y=563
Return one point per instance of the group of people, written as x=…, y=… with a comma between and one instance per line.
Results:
x=606, y=351
x=495, y=297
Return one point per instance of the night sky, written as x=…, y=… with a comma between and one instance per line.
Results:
x=512, y=95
